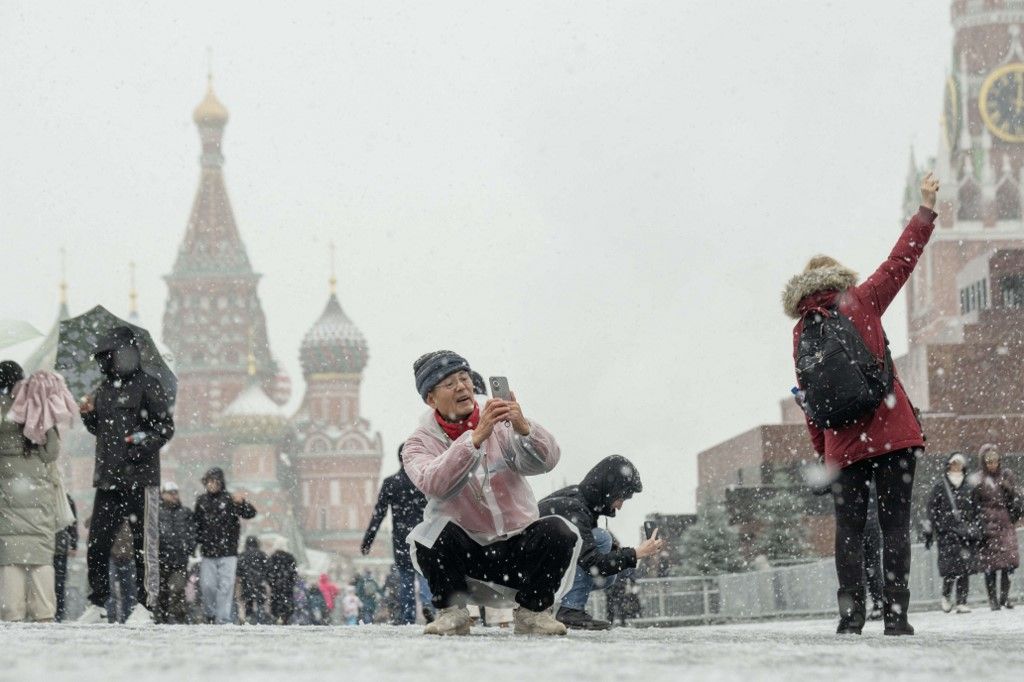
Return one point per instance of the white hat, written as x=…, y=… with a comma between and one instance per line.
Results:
x=169, y=487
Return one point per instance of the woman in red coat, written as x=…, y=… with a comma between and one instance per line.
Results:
x=881, y=446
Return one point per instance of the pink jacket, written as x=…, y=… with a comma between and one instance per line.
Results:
x=484, y=491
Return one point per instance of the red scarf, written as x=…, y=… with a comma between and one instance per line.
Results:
x=456, y=429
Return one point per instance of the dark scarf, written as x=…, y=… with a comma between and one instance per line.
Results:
x=456, y=429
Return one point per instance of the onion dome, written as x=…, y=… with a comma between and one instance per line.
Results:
x=210, y=111
x=254, y=417
x=333, y=345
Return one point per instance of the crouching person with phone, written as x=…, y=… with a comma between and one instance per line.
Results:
x=481, y=522
x=601, y=493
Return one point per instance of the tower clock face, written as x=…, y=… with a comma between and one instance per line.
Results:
x=951, y=112
x=1002, y=102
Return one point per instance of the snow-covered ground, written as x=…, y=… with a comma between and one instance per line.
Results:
x=983, y=645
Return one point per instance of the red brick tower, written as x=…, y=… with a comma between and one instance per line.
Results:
x=213, y=319
x=338, y=459
x=980, y=162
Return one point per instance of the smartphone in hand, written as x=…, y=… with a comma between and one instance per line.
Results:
x=499, y=388
x=649, y=528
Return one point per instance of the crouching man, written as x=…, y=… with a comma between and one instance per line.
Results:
x=481, y=522
x=603, y=491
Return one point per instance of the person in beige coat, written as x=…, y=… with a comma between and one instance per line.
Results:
x=28, y=513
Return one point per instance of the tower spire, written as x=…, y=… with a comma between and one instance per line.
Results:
x=133, y=295
x=63, y=277
x=334, y=279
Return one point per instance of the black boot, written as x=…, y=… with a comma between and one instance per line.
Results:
x=580, y=620
x=897, y=603
x=851, y=611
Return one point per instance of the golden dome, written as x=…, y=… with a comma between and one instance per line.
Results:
x=210, y=110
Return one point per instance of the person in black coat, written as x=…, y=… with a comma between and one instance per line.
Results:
x=407, y=504
x=953, y=524
x=217, y=515
x=67, y=542
x=177, y=543
x=601, y=493
x=282, y=574
x=130, y=415
x=252, y=579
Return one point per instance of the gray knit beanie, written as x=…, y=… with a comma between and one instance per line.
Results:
x=432, y=368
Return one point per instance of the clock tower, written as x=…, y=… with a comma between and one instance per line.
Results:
x=980, y=163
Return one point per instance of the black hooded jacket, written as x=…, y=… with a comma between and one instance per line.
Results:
x=613, y=478
x=407, y=504
x=177, y=534
x=252, y=569
x=128, y=402
x=216, y=516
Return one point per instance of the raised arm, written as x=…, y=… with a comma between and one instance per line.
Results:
x=881, y=287
x=379, y=512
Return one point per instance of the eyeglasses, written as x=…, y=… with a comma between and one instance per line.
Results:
x=452, y=382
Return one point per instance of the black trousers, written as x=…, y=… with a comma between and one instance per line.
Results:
x=873, y=574
x=893, y=474
x=990, y=584
x=254, y=601
x=962, y=583
x=170, y=605
x=141, y=508
x=60, y=577
x=532, y=562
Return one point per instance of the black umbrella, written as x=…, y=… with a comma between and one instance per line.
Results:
x=77, y=343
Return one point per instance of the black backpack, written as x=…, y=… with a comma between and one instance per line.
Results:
x=840, y=378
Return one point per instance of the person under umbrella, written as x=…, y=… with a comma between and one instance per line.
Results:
x=130, y=415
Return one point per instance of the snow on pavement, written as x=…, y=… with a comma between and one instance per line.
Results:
x=985, y=644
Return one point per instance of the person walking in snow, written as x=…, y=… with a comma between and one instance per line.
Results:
x=952, y=524
x=603, y=491
x=351, y=606
x=29, y=495
x=481, y=521
x=252, y=581
x=217, y=514
x=283, y=578
x=999, y=509
x=177, y=543
x=130, y=415
x=406, y=502
x=859, y=417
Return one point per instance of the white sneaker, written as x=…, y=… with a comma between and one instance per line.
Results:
x=947, y=605
x=963, y=608
x=537, y=623
x=454, y=620
x=140, y=615
x=92, y=614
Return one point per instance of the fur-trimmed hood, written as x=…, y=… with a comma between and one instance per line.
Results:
x=799, y=287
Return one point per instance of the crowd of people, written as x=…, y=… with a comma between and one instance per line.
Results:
x=468, y=533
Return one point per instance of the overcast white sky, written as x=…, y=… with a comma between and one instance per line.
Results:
x=600, y=200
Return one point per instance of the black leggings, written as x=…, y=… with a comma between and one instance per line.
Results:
x=963, y=584
x=893, y=474
x=990, y=584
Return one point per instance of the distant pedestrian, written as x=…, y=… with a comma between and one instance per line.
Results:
x=999, y=509
x=217, y=514
x=858, y=414
x=177, y=544
x=130, y=415
x=351, y=606
x=29, y=496
x=252, y=581
x=282, y=576
x=406, y=502
x=369, y=594
x=330, y=591
x=952, y=523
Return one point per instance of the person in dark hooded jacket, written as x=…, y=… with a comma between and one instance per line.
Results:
x=252, y=580
x=603, y=491
x=130, y=415
x=953, y=523
x=217, y=529
x=407, y=504
x=282, y=576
